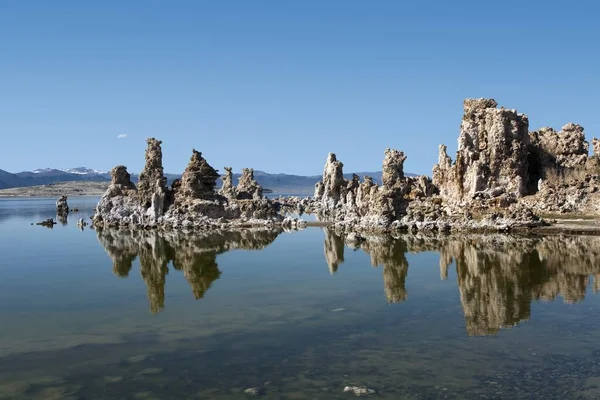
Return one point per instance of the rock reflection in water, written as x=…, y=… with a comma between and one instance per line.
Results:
x=498, y=276
x=384, y=252
x=193, y=254
x=334, y=251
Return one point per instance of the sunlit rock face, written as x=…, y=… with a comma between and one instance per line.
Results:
x=491, y=156
x=247, y=187
x=192, y=202
x=500, y=165
x=152, y=182
x=193, y=254
x=120, y=202
x=227, y=189
x=366, y=204
x=124, y=204
x=198, y=180
x=564, y=149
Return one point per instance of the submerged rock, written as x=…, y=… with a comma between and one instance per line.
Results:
x=49, y=223
x=254, y=391
x=359, y=390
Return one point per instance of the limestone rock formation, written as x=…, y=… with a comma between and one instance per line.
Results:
x=151, y=179
x=120, y=203
x=492, y=153
x=550, y=149
x=199, y=179
x=227, y=188
x=596, y=146
x=247, y=187
x=121, y=180
x=393, y=168
x=333, y=182
x=366, y=204
x=566, y=178
x=62, y=207
x=191, y=203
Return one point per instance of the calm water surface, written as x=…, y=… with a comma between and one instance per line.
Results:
x=91, y=314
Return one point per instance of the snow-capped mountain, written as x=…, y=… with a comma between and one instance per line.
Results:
x=277, y=182
x=44, y=176
x=78, y=171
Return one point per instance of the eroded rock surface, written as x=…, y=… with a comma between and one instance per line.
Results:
x=227, y=189
x=503, y=177
x=198, y=180
x=499, y=163
x=492, y=154
x=191, y=203
x=247, y=187
x=366, y=204
x=151, y=179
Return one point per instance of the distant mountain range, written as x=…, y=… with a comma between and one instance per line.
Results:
x=281, y=183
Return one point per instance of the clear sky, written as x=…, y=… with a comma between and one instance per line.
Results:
x=276, y=85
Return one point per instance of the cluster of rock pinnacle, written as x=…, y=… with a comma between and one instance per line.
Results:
x=502, y=176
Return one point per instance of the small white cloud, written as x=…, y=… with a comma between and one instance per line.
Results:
x=122, y=136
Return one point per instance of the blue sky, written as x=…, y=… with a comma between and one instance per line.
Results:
x=276, y=85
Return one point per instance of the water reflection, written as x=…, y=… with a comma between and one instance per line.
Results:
x=194, y=255
x=498, y=276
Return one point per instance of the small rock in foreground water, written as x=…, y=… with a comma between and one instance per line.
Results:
x=359, y=390
x=255, y=391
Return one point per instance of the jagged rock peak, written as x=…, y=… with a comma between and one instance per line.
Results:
x=492, y=153
x=227, y=188
x=199, y=179
x=444, y=161
x=152, y=176
x=247, y=187
x=120, y=176
x=393, y=167
x=470, y=105
x=333, y=178
x=566, y=148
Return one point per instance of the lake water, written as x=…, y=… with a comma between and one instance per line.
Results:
x=108, y=314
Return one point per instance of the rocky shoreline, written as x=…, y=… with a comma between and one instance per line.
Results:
x=54, y=190
x=503, y=179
